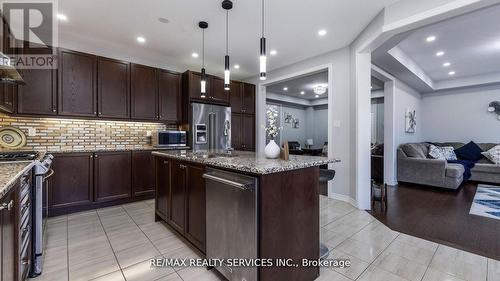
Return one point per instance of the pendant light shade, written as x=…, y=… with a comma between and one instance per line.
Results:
x=263, y=58
x=203, y=81
x=227, y=5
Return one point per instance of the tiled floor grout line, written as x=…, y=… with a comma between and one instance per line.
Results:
x=110, y=245
x=149, y=239
x=430, y=261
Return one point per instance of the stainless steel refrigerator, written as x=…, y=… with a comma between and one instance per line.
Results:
x=210, y=127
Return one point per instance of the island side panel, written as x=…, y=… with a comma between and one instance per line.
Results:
x=289, y=222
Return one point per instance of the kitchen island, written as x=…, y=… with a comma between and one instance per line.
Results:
x=286, y=206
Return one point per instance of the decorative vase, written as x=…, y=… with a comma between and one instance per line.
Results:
x=272, y=150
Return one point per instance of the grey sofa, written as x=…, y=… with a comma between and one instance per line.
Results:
x=414, y=166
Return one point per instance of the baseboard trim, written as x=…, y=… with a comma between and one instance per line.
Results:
x=343, y=198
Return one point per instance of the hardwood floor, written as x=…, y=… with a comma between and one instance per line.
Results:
x=441, y=216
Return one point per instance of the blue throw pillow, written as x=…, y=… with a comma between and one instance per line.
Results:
x=470, y=151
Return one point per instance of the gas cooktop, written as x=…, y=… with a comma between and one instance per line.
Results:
x=18, y=156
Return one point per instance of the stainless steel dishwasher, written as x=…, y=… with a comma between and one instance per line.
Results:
x=231, y=202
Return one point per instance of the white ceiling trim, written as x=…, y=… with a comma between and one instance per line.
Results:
x=292, y=100
x=411, y=65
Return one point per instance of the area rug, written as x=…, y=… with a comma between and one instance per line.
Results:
x=486, y=201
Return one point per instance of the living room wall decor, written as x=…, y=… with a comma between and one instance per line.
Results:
x=411, y=121
x=494, y=107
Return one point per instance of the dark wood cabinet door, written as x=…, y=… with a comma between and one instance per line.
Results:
x=248, y=132
x=71, y=185
x=235, y=96
x=143, y=177
x=9, y=239
x=195, y=208
x=163, y=178
x=194, y=86
x=77, y=84
x=248, y=98
x=178, y=195
x=112, y=176
x=113, y=88
x=39, y=95
x=7, y=94
x=236, y=131
x=217, y=92
x=169, y=96
x=144, y=89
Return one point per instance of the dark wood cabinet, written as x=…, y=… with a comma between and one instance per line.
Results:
x=243, y=131
x=113, y=88
x=162, y=194
x=8, y=221
x=235, y=96
x=144, y=91
x=248, y=98
x=143, y=176
x=72, y=184
x=169, y=96
x=177, y=196
x=112, y=176
x=77, y=93
x=39, y=95
x=217, y=92
x=7, y=94
x=195, y=206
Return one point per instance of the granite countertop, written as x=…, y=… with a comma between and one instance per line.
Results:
x=89, y=150
x=248, y=162
x=10, y=172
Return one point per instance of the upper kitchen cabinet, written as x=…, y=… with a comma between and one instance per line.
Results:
x=169, y=96
x=217, y=92
x=113, y=88
x=7, y=94
x=144, y=90
x=242, y=97
x=77, y=84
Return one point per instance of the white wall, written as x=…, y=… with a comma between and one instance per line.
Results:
x=378, y=124
x=406, y=98
x=288, y=133
x=460, y=116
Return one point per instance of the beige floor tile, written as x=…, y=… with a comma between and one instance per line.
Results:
x=326, y=274
x=376, y=274
x=143, y=271
x=357, y=266
x=435, y=275
x=185, y=252
x=93, y=268
x=375, y=234
x=115, y=276
x=335, y=241
x=144, y=218
x=136, y=254
x=171, y=277
x=459, y=263
x=418, y=242
x=360, y=250
x=128, y=240
x=493, y=270
x=199, y=274
x=169, y=244
x=403, y=267
x=412, y=253
x=110, y=211
x=156, y=230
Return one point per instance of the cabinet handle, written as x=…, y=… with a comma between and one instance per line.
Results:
x=25, y=262
x=91, y=156
x=7, y=206
x=53, y=110
x=96, y=156
x=165, y=162
x=182, y=166
x=8, y=103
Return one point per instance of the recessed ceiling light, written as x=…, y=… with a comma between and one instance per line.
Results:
x=322, y=32
x=237, y=66
x=62, y=17
x=440, y=54
x=273, y=52
x=446, y=64
x=451, y=73
x=316, y=96
x=430, y=39
x=163, y=20
x=195, y=55
x=141, y=39
x=285, y=89
x=302, y=93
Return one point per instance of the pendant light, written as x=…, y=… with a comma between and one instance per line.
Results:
x=203, y=82
x=263, y=58
x=227, y=5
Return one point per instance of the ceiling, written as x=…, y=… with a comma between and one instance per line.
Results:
x=301, y=84
x=376, y=84
x=470, y=42
x=112, y=26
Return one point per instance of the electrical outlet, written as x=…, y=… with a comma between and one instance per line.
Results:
x=31, y=132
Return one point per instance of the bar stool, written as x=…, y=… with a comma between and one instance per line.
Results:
x=325, y=176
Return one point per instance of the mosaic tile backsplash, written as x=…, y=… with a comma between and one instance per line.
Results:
x=54, y=134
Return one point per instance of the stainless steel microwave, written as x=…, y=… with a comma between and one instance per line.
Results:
x=169, y=139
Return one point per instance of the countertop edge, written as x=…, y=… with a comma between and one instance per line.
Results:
x=8, y=186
